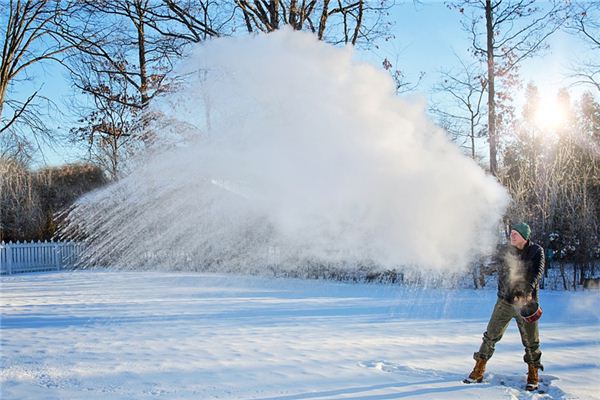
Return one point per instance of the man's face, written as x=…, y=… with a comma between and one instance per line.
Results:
x=516, y=239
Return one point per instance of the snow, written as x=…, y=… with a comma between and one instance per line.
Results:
x=147, y=335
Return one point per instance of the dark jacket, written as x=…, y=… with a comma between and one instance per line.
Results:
x=520, y=271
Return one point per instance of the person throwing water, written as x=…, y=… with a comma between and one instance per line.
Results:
x=519, y=275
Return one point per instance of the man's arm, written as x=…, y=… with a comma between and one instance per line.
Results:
x=538, y=265
x=523, y=291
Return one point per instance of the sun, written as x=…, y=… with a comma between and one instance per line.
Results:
x=550, y=114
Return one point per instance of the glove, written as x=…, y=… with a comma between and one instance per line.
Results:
x=521, y=291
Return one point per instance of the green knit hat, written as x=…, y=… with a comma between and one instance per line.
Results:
x=523, y=229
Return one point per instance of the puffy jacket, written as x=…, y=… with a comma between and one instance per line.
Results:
x=520, y=271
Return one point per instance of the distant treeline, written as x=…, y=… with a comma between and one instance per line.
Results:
x=553, y=177
x=30, y=199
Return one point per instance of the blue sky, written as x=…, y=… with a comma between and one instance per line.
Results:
x=428, y=36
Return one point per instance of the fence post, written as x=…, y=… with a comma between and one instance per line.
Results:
x=3, y=252
x=9, y=257
x=56, y=256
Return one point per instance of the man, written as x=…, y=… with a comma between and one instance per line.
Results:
x=519, y=274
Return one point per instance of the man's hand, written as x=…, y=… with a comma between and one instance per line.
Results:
x=522, y=298
x=522, y=293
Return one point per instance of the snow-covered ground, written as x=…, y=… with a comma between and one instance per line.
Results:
x=146, y=335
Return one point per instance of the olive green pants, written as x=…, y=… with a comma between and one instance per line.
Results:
x=501, y=316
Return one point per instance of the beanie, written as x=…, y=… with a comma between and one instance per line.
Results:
x=523, y=229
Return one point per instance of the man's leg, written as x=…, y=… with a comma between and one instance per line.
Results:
x=530, y=337
x=531, y=340
x=501, y=316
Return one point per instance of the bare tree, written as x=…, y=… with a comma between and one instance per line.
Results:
x=122, y=59
x=503, y=34
x=113, y=37
x=110, y=127
x=460, y=110
x=29, y=38
x=401, y=83
x=192, y=21
x=585, y=23
x=20, y=208
x=338, y=22
x=555, y=184
x=29, y=199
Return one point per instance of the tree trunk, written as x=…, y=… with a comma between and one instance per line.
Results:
x=482, y=271
x=274, y=11
x=491, y=88
x=475, y=277
x=114, y=158
x=358, y=22
x=294, y=15
x=2, y=94
x=472, y=136
x=564, y=276
x=142, y=56
x=323, y=20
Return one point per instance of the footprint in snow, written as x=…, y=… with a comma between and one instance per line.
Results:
x=391, y=367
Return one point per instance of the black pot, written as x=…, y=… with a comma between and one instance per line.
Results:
x=531, y=311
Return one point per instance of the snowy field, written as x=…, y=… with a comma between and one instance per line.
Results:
x=147, y=335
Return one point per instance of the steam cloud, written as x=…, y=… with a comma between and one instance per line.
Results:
x=284, y=151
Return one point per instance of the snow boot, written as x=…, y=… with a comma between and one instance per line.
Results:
x=476, y=376
x=532, y=378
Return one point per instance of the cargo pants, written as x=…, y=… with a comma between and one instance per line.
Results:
x=501, y=316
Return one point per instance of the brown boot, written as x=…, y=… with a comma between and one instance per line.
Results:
x=532, y=377
x=476, y=376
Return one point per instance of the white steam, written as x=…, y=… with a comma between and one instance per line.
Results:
x=516, y=268
x=284, y=151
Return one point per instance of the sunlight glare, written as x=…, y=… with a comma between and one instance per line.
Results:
x=550, y=114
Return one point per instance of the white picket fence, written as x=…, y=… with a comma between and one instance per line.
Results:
x=38, y=256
